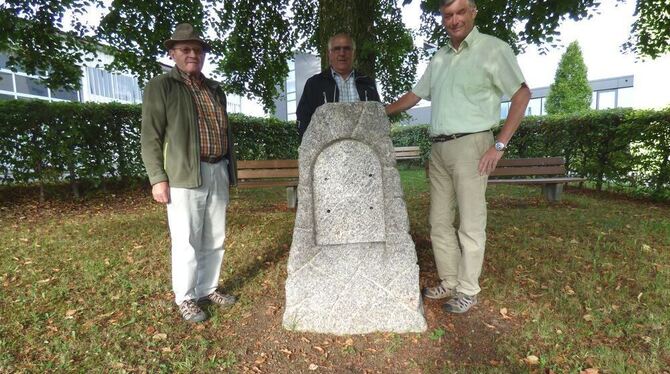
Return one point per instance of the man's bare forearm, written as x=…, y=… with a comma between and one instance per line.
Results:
x=517, y=109
x=405, y=102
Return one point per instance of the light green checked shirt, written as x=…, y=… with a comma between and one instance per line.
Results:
x=465, y=85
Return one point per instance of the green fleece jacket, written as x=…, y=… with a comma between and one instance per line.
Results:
x=170, y=138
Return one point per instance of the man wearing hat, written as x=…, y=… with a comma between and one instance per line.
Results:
x=187, y=150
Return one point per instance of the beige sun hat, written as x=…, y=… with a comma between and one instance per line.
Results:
x=184, y=32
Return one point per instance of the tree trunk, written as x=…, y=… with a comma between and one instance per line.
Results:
x=355, y=17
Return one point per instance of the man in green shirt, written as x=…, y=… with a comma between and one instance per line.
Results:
x=464, y=82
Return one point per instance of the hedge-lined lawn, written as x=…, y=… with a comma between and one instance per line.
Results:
x=579, y=284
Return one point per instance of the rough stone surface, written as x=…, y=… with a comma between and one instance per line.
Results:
x=352, y=267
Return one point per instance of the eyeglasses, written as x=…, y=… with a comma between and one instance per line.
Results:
x=345, y=48
x=188, y=50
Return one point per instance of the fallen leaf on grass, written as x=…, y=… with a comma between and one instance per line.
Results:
x=284, y=350
x=503, y=313
x=588, y=317
x=304, y=339
x=313, y=367
x=159, y=336
x=589, y=371
x=531, y=360
x=489, y=326
x=46, y=280
x=70, y=313
x=166, y=350
x=646, y=247
x=349, y=342
x=319, y=348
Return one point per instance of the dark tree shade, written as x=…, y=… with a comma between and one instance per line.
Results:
x=252, y=39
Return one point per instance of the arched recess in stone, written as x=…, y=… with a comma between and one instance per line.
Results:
x=348, y=194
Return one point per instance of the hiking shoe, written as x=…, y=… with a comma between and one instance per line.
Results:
x=438, y=292
x=221, y=299
x=191, y=311
x=460, y=303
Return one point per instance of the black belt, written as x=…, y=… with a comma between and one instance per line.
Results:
x=445, y=138
x=211, y=159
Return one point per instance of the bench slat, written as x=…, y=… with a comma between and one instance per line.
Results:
x=266, y=173
x=266, y=183
x=536, y=180
x=538, y=161
x=528, y=170
x=407, y=149
x=267, y=164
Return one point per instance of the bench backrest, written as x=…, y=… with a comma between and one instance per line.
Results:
x=407, y=152
x=267, y=169
x=530, y=166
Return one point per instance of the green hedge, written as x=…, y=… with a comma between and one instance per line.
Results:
x=44, y=143
x=54, y=142
x=51, y=142
x=623, y=148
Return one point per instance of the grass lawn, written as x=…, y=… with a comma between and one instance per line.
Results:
x=580, y=284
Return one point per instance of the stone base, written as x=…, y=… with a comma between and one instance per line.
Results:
x=347, y=289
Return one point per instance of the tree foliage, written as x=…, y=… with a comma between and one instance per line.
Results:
x=32, y=31
x=251, y=40
x=650, y=34
x=570, y=93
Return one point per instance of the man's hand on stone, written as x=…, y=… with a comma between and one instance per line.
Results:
x=489, y=161
x=161, y=192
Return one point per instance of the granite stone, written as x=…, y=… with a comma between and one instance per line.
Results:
x=352, y=268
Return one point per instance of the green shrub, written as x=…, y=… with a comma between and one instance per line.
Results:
x=43, y=143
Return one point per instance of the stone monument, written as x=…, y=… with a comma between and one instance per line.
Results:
x=352, y=267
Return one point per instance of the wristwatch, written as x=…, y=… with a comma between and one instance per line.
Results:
x=500, y=146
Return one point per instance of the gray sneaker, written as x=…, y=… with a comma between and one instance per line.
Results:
x=221, y=299
x=438, y=292
x=460, y=303
x=191, y=311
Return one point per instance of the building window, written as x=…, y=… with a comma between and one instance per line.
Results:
x=6, y=82
x=65, y=94
x=606, y=99
x=534, y=107
x=625, y=97
x=291, y=92
x=233, y=104
x=31, y=86
x=504, y=109
x=3, y=60
x=114, y=86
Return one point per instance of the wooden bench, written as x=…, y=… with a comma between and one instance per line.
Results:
x=270, y=173
x=407, y=153
x=546, y=171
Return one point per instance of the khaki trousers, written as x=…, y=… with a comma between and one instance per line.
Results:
x=197, y=220
x=455, y=182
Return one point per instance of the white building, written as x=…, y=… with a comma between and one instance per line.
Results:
x=97, y=85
